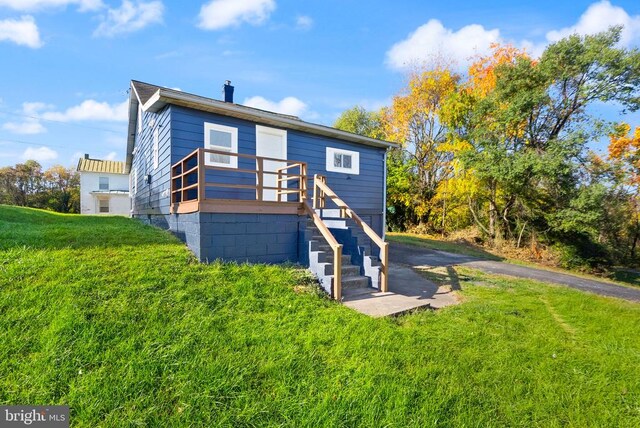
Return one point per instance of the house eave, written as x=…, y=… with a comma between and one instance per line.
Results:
x=167, y=96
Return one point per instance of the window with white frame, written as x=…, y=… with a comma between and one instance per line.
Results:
x=103, y=183
x=224, y=139
x=345, y=161
x=103, y=205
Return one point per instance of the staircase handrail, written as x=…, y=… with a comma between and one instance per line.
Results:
x=336, y=247
x=346, y=211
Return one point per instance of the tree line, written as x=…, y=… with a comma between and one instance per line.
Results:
x=503, y=150
x=26, y=184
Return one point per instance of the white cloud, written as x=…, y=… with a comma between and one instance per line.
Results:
x=218, y=14
x=22, y=32
x=91, y=110
x=599, y=17
x=288, y=105
x=130, y=17
x=304, y=22
x=33, y=5
x=433, y=39
x=40, y=154
x=28, y=127
x=111, y=156
x=31, y=124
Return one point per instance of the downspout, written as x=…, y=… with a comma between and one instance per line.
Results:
x=384, y=199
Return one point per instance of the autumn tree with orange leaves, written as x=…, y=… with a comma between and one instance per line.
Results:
x=422, y=163
x=624, y=153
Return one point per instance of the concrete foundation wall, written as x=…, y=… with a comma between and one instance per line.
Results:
x=254, y=238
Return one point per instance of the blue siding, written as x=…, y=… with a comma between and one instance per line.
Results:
x=153, y=198
x=363, y=192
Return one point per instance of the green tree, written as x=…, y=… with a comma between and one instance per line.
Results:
x=528, y=130
x=360, y=121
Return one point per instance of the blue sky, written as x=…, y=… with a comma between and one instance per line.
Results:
x=66, y=64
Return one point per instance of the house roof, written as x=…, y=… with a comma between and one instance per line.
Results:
x=153, y=98
x=99, y=165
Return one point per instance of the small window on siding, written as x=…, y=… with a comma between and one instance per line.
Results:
x=156, y=147
x=103, y=183
x=103, y=205
x=222, y=138
x=345, y=161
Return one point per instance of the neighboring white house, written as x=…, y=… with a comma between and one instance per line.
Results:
x=104, y=187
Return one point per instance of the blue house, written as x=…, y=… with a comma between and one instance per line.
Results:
x=243, y=184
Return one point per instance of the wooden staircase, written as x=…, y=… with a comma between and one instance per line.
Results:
x=340, y=247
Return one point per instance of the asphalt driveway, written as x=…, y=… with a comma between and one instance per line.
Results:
x=417, y=257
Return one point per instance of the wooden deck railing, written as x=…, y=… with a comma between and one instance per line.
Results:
x=320, y=192
x=189, y=180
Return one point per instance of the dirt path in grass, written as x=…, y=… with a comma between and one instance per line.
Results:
x=423, y=257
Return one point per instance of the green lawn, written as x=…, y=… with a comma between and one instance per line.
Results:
x=117, y=320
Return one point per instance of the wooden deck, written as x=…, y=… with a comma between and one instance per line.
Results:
x=190, y=182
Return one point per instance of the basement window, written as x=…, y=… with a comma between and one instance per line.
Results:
x=344, y=161
x=221, y=138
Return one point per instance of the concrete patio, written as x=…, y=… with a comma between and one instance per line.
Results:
x=408, y=291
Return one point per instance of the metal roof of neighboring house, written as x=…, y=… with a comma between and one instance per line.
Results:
x=99, y=165
x=153, y=98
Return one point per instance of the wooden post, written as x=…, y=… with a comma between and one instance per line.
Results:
x=260, y=179
x=384, y=272
x=279, y=186
x=172, y=187
x=303, y=182
x=323, y=180
x=337, y=272
x=315, y=191
x=201, y=176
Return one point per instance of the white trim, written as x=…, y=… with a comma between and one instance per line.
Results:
x=384, y=199
x=233, y=160
x=156, y=147
x=139, y=118
x=355, y=161
x=133, y=181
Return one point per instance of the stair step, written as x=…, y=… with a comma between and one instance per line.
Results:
x=320, y=256
x=350, y=271
x=351, y=282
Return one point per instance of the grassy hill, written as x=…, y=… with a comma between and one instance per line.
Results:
x=117, y=320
